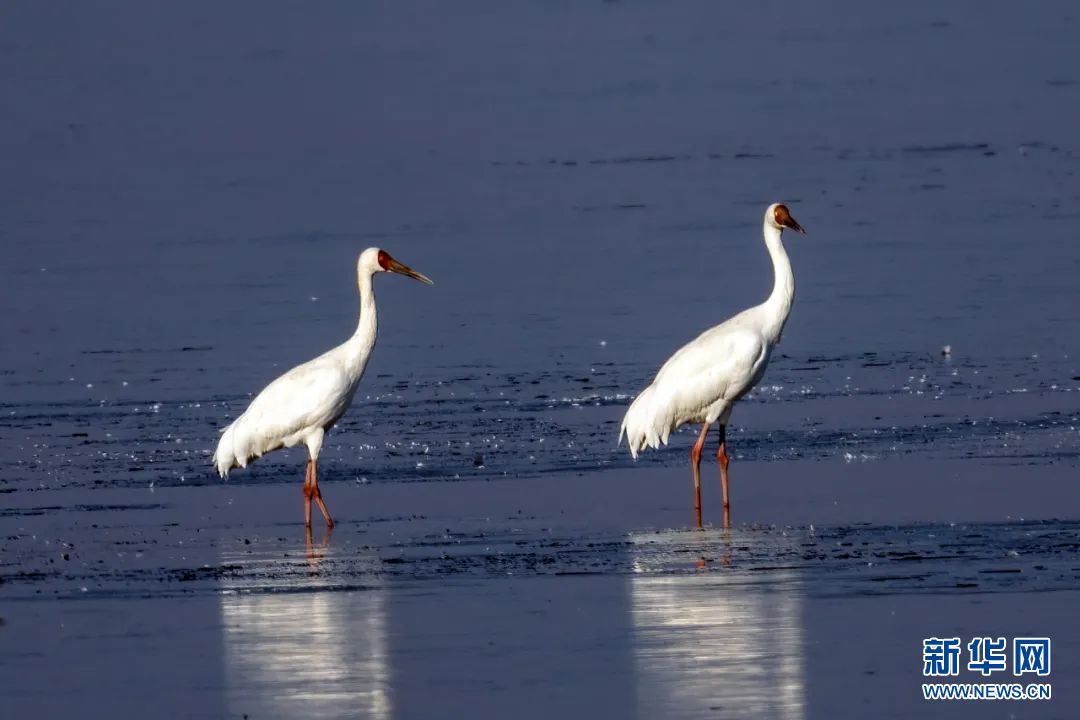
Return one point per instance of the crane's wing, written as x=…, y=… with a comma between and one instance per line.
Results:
x=720, y=364
x=311, y=395
x=306, y=396
x=697, y=383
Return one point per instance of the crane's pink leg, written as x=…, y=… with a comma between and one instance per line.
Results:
x=307, y=497
x=312, y=492
x=722, y=458
x=695, y=462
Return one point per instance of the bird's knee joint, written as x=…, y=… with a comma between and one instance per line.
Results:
x=309, y=491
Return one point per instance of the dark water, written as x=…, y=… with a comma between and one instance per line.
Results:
x=186, y=188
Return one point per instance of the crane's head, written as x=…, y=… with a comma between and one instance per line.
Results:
x=374, y=260
x=778, y=217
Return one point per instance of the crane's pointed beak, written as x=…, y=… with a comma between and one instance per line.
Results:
x=395, y=266
x=789, y=222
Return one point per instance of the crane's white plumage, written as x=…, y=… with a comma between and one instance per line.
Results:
x=702, y=381
x=305, y=402
x=297, y=407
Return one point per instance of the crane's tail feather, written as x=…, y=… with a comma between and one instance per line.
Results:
x=242, y=443
x=225, y=457
x=641, y=425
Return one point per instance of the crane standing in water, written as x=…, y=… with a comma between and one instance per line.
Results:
x=301, y=405
x=703, y=380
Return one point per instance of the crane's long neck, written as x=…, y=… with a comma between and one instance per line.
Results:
x=360, y=344
x=778, y=306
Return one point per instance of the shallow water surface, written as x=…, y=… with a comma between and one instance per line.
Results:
x=389, y=620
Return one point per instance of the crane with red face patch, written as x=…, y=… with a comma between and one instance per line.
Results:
x=703, y=380
x=301, y=405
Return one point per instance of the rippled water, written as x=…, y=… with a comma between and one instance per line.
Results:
x=487, y=422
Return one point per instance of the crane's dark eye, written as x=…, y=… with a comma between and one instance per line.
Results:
x=781, y=214
x=384, y=260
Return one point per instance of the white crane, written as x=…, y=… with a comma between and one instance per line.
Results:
x=702, y=381
x=301, y=405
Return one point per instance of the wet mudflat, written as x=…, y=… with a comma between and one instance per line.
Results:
x=188, y=188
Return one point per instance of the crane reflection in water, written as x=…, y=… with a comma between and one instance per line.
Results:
x=304, y=650
x=714, y=644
